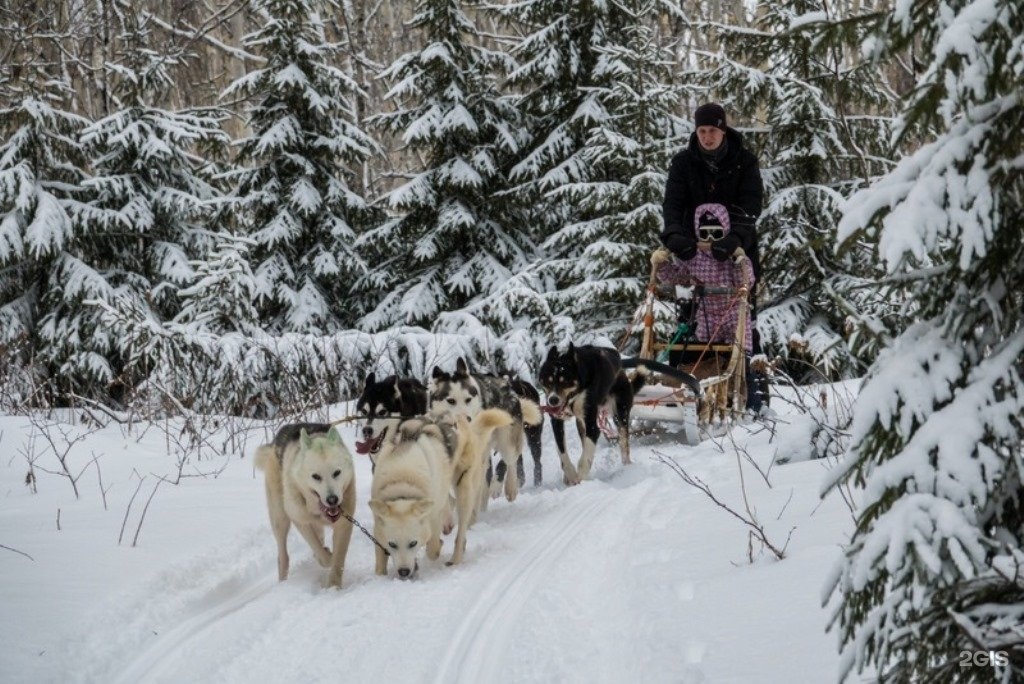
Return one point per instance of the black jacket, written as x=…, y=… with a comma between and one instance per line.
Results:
x=736, y=185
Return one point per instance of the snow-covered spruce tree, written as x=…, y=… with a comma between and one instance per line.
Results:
x=41, y=170
x=827, y=118
x=220, y=297
x=590, y=80
x=449, y=241
x=146, y=215
x=935, y=565
x=212, y=342
x=614, y=185
x=297, y=170
x=554, y=61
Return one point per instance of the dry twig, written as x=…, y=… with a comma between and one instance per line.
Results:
x=750, y=520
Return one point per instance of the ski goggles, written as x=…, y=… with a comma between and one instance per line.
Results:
x=710, y=233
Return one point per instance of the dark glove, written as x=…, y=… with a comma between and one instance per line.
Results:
x=683, y=245
x=724, y=248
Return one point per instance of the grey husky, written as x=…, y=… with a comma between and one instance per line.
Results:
x=467, y=394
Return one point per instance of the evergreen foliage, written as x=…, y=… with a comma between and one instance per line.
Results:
x=615, y=183
x=195, y=368
x=41, y=168
x=294, y=193
x=593, y=79
x=220, y=298
x=935, y=564
x=554, y=64
x=448, y=243
x=145, y=218
x=39, y=164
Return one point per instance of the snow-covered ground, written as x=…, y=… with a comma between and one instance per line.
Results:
x=633, y=576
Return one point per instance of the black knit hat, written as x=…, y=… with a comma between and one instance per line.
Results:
x=710, y=114
x=708, y=218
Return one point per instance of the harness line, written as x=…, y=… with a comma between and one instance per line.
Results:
x=366, y=532
x=349, y=419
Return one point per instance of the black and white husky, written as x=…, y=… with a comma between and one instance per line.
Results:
x=468, y=394
x=587, y=383
x=383, y=405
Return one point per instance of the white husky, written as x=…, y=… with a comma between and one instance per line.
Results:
x=310, y=482
x=415, y=472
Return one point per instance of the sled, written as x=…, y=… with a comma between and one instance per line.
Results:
x=719, y=367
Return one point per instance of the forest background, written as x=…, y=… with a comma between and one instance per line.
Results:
x=243, y=206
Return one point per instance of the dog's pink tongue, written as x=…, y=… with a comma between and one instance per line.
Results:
x=370, y=445
x=556, y=411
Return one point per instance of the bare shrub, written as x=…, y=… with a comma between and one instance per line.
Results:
x=749, y=517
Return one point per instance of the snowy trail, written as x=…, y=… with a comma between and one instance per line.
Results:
x=144, y=633
x=158, y=659
x=211, y=623
x=482, y=640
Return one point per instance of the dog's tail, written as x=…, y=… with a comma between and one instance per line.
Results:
x=639, y=378
x=645, y=367
x=488, y=421
x=265, y=456
x=531, y=412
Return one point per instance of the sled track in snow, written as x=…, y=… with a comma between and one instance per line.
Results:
x=479, y=644
x=155, y=658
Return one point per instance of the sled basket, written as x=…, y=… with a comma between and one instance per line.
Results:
x=719, y=366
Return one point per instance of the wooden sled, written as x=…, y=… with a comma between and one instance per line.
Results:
x=719, y=367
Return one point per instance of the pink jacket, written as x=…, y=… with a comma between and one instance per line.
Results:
x=717, y=314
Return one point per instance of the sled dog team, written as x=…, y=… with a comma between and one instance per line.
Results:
x=430, y=448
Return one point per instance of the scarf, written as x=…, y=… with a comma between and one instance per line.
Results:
x=714, y=157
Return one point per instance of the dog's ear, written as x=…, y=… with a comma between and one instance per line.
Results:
x=461, y=368
x=552, y=354
x=421, y=507
x=370, y=379
x=379, y=508
x=304, y=439
x=332, y=435
x=438, y=374
x=571, y=351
